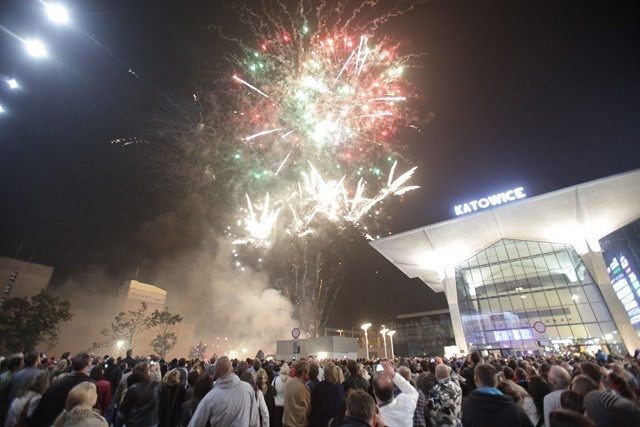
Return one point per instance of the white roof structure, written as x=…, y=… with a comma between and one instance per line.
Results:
x=578, y=216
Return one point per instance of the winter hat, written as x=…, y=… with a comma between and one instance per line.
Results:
x=606, y=408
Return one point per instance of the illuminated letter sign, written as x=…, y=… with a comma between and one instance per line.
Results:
x=489, y=201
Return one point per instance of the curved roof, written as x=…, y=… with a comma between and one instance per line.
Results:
x=578, y=215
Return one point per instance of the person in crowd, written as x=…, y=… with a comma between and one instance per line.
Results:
x=572, y=401
x=278, y=383
x=201, y=387
x=486, y=406
x=538, y=389
x=594, y=372
x=361, y=410
x=23, y=407
x=14, y=364
x=269, y=393
x=559, y=380
x=141, y=402
x=582, y=384
x=79, y=411
x=184, y=372
x=522, y=379
x=354, y=381
x=314, y=371
x=608, y=409
x=565, y=418
x=53, y=402
x=424, y=385
x=231, y=402
x=326, y=397
x=468, y=371
x=297, y=398
x=397, y=411
x=449, y=405
x=20, y=378
x=620, y=386
x=191, y=382
x=171, y=399
x=60, y=370
x=263, y=411
x=129, y=360
x=507, y=377
x=104, y=388
x=113, y=374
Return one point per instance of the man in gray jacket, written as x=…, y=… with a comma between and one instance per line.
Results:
x=231, y=402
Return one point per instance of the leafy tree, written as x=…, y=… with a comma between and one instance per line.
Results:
x=128, y=326
x=198, y=351
x=27, y=322
x=163, y=323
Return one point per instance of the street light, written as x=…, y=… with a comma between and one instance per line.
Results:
x=35, y=48
x=13, y=84
x=391, y=333
x=119, y=343
x=57, y=13
x=384, y=337
x=366, y=337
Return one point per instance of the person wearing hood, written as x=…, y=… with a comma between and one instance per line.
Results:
x=230, y=403
x=487, y=406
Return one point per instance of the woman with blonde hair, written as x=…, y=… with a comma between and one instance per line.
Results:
x=262, y=381
x=28, y=399
x=171, y=399
x=278, y=384
x=79, y=408
x=327, y=396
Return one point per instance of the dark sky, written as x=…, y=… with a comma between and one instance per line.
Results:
x=541, y=94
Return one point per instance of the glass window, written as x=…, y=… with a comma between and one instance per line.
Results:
x=593, y=293
x=585, y=313
x=518, y=283
x=547, y=299
x=601, y=312
x=593, y=330
x=565, y=332
x=579, y=331
x=552, y=331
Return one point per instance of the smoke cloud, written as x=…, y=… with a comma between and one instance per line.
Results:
x=233, y=311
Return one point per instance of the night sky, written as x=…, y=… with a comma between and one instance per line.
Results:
x=541, y=94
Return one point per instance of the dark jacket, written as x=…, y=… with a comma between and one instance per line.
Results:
x=354, y=422
x=489, y=410
x=54, y=400
x=140, y=406
x=171, y=400
x=325, y=402
x=355, y=382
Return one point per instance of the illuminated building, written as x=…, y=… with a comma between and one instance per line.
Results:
x=536, y=273
x=134, y=293
x=22, y=278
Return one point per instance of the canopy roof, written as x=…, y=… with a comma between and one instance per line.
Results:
x=578, y=215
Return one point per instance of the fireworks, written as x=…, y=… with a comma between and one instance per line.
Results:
x=302, y=139
x=328, y=98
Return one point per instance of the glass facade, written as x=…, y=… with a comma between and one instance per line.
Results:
x=518, y=296
x=423, y=335
x=621, y=251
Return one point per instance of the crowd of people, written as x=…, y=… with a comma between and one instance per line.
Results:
x=85, y=390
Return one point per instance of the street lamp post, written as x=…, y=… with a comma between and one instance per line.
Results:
x=384, y=338
x=391, y=333
x=366, y=337
x=120, y=343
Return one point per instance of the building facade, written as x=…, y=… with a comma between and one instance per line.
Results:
x=422, y=334
x=22, y=278
x=553, y=272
